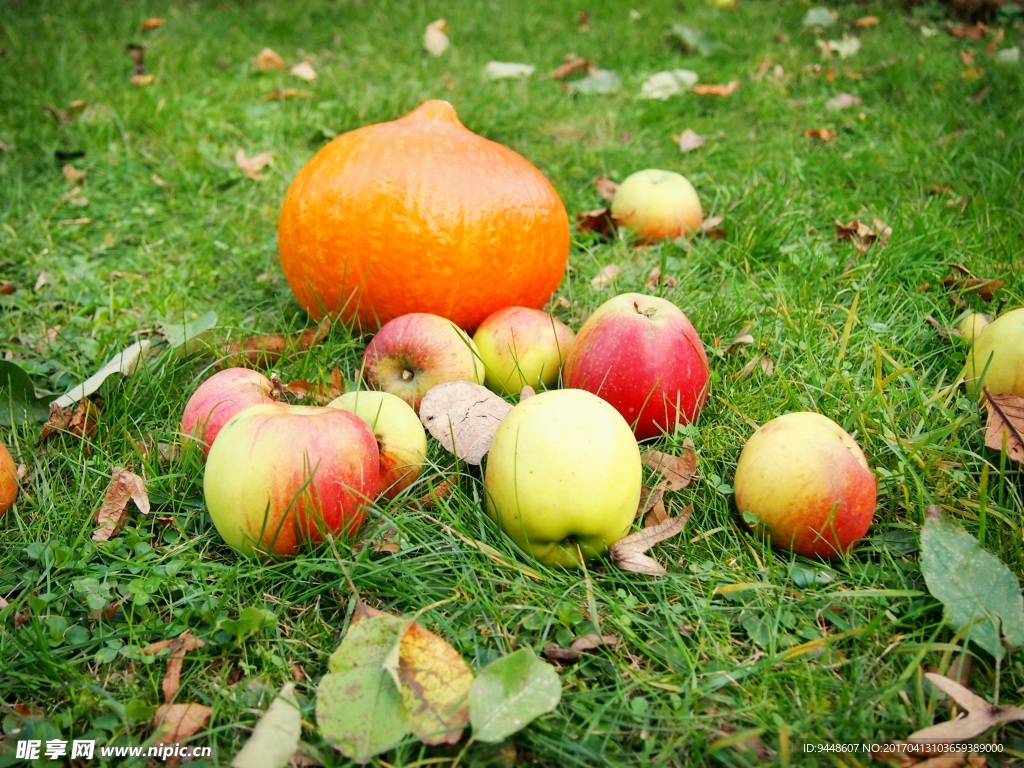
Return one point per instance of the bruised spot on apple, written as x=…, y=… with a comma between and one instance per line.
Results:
x=657, y=205
x=401, y=439
x=808, y=484
x=281, y=476
x=218, y=399
x=413, y=353
x=520, y=346
x=8, y=479
x=641, y=354
x=996, y=359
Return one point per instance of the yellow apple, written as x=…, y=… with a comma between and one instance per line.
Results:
x=996, y=359
x=971, y=325
x=520, y=346
x=563, y=476
x=657, y=205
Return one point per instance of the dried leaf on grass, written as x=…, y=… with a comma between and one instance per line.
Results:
x=251, y=166
x=308, y=391
x=276, y=736
x=463, y=417
x=125, y=487
x=143, y=80
x=709, y=228
x=652, y=506
x=630, y=553
x=304, y=71
x=677, y=472
x=125, y=362
x=442, y=490
x=1005, y=427
x=822, y=134
x=435, y=39
x=663, y=85
x=981, y=716
x=655, y=280
x=178, y=722
x=507, y=70
x=963, y=282
x=570, y=66
x=843, y=101
x=743, y=337
x=7, y=287
x=863, y=236
x=153, y=22
x=268, y=59
x=138, y=57
x=179, y=646
x=598, y=221
x=605, y=187
x=579, y=646
x=762, y=361
x=716, y=90
x=267, y=349
x=73, y=175
x=81, y=422
x=689, y=140
x=606, y=276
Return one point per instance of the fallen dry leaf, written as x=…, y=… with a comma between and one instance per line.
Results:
x=304, y=71
x=143, y=80
x=268, y=59
x=843, y=101
x=629, y=553
x=152, y=22
x=689, y=140
x=571, y=66
x=435, y=39
x=81, y=422
x=579, y=646
x=962, y=282
x=656, y=279
x=743, y=337
x=981, y=716
x=651, y=508
x=267, y=349
x=463, y=417
x=73, y=175
x=507, y=70
x=677, y=471
x=138, y=57
x=864, y=22
x=440, y=491
x=863, y=236
x=43, y=279
x=7, y=287
x=824, y=134
x=125, y=487
x=762, y=361
x=709, y=228
x=605, y=187
x=179, y=646
x=606, y=276
x=716, y=90
x=599, y=221
x=251, y=166
x=177, y=722
x=1005, y=426
x=976, y=32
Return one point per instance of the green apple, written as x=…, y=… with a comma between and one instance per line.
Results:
x=996, y=359
x=520, y=346
x=808, y=484
x=401, y=439
x=563, y=476
x=657, y=205
x=971, y=325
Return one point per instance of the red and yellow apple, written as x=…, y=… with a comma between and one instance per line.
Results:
x=219, y=398
x=808, y=484
x=401, y=439
x=563, y=476
x=415, y=352
x=521, y=346
x=657, y=205
x=996, y=359
x=8, y=479
x=642, y=355
x=281, y=476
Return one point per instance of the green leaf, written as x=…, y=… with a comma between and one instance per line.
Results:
x=276, y=736
x=191, y=337
x=979, y=593
x=360, y=712
x=820, y=17
x=510, y=693
x=694, y=40
x=370, y=643
x=18, y=402
x=599, y=81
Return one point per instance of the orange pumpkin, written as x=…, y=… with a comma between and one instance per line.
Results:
x=421, y=215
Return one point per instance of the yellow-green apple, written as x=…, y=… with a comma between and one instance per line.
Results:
x=642, y=355
x=563, y=476
x=280, y=476
x=808, y=484
x=219, y=398
x=415, y=352
x=996, y=359
x=971, y=325
x=8, y=479
x=401, y=439
x=657, y=205
x=520, y=346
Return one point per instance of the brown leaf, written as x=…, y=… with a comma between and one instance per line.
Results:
x=43, y=279
x=82, y=422
x=153, y=22
x=863, y=236
x=630, y=553
x=268, y=59
x=709, y=228
x=179, y=646
x=1005, y=424
x=143, y=80
x=974, y=33
x=606, y=276
x=865, y=22
x=73, y=175
x=7, y=287
x=677, y=471
x=309, y=391
x=579, y=646
x=265, y=350
x=689, y=140
x=743, y=337
x=649, y=498
x=138, y=56
x=571, y=66
x=599, y=221
x=981, y=716
x=824, y=134
x=655, y=279
x=843, y=101
x=605, y=187
x=251, y=166
x=994, y=43
x=716, y=90
x=762, y=361
x=124, y=487
x=440, y=491
x=178, y=722
x=463, y=417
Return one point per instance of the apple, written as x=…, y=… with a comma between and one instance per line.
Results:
x=996, y=359
x=280, y=476
x=563, y=476
x=808, y=484
x=642, y=355
x=415, y=352
x=8, y=479
x=219, y=398
x=401, y=439
x=657, y=205
x=520, y=346
x=971, y=325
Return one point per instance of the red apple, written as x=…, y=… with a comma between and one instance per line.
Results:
x=415, y=352
x=218, y=399
x=657, y=205
x=521, y=346
x=280, y=476
x=808, y=484
x=401, y=439
x=642, y=355
x=8, y=479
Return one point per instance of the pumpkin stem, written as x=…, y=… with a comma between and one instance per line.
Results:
x=436, y=110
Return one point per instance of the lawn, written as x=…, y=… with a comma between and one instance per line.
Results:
x=124, y=216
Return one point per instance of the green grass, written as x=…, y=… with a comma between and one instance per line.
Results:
x=704, y=672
